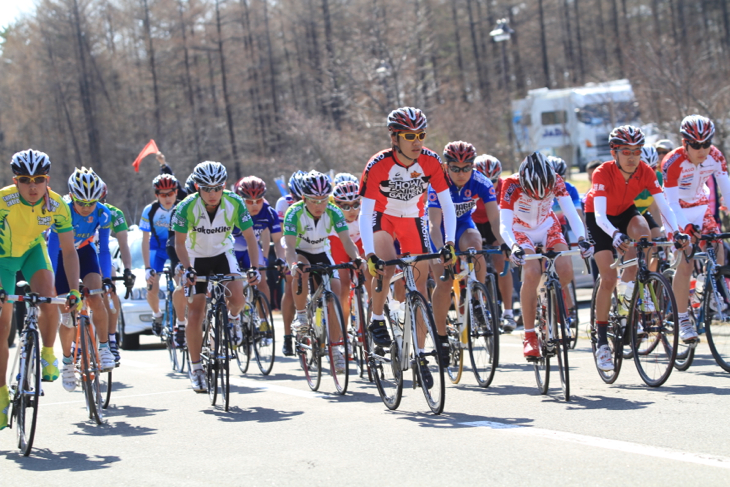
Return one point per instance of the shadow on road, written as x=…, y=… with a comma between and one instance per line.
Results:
x=44, y=460
x=119, y=386
x=454, y=420
x=132, y=411
x=259, y=414
x=114, y=428
x=603, y=402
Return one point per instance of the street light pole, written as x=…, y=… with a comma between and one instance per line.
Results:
x=502, y=33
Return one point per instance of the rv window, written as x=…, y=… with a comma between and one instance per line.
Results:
x=554, y=118
x=613, y=114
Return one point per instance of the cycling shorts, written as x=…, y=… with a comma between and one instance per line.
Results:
x=224, y=263
x=547, y=235
x=88, y=264
x=702, y=217
x=461, y=227
x=650, y=221
x=172, y=254
x=244, y=261
x=485, y=229
x=338, y=250
x=602, y=240
x=321, y=258
x=412, y=233
x=33, y=260
x=158, y=257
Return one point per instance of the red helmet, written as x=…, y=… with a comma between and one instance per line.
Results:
x=250, y=187
x=697, y=128
x=103, y=190
x=460, y=151
x=489, y=166
x=625, y=135
x=406, y=119
x=164, y=182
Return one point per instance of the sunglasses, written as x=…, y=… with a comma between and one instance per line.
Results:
x=411, y=137
x=456, y=169
x=254, y=202
x=662, y=153
x=698, y=146
x=32, y=179
x=629, y=152
x=211, y=189
x=165, y=195
x=84, y=204
x=317, y=202
x=345, y=207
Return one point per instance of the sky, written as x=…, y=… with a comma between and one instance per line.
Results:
x=12, y=9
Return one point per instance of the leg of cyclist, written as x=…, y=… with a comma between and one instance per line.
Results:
x=300, y=300
x=287, y=314
x=531, y=272
x=385, y=250
x=96, y=304
x=194, y=335
x=344, y=294
x=179, y=302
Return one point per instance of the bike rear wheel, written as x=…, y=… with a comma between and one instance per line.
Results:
x=262, y=329
x=27, y=393
x=572, y=314
x=615, y=336
x=656, y=348
x=483, y=329
x=385, y=366
x=427, y=355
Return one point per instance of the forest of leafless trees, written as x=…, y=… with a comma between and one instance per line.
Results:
x=270, y=86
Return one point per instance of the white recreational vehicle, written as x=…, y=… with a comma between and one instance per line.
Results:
x=573, y=123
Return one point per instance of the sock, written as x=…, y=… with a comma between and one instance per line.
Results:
x=233, y=318
x=103, y=345
x=508, y=312
x=112, y=338
x=683, y=316
x=67, y=360
x=602, y=332
x=157, y=315
x=530, y=331
x=197, y=365
x=182, y=323
x=46, y=351
x=378, y=317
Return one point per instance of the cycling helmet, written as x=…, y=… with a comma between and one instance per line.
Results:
x=210, y=173
x=559, y=165
x=625, y=135
x=460, y=151
x=344, y=176
x=489, y=166
x=30, y=163
x=250, y=187
x=406, y=119
x=85, y=185
x=697, y=128
x=164, y=182
x=190, y=185
x=537, y=176
x=103, y=192
x=346, y=191
x=295, y=184
x=649, y=156
x=316, y=185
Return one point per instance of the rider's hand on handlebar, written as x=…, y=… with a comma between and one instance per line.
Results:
x=505, y=250
x=108, y=283
x=375, y=265
x=191, y=275
x=518, y=255
x=128, y=278
x=620, y=242
x=586, y=248
x=254, y=276
x=681, y=240
x=448, y=254
x=149, y=273
x=73, y=301
x=281, y=264
x=693, y=231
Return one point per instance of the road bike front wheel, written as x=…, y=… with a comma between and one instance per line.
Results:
x=223, y=358
x=308, y=349
x=561, y=336
x=717, y=323
x=483, y=329
x=340, y=373
x=91, y=374
x=541, y=364
x=426, y=354
x=655, y=331
x=208, y=356
x=386, y=367
x=615, y=335
x=27, y=393
x=358, y=335
x=686, y=352
x=453, y=335
x=262, y=333
x=572, y=315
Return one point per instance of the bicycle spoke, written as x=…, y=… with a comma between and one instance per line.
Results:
x=483, y=335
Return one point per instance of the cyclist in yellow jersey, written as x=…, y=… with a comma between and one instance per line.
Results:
x=27, y=209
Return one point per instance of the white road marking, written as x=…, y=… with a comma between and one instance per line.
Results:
x=618, y=445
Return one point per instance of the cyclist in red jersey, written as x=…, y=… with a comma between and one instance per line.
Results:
x=686, y=171
x=612, y=218
x=393, y=187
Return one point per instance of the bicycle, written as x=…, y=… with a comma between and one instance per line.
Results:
x=388, y=365
x=316, y=340
x=648, y=324
x=552, y=325
x=475, y=326
x=26, y=391
x=257, y=326
x=357, y=331
x=178, y=355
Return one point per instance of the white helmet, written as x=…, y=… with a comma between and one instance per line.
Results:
x=649, y=156
x=210, y=173
x=85, y=185
x=30, y=163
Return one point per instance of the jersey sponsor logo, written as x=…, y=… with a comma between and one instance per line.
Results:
x=463, y=208
x=118, y=221
x=403, y=190
x=44, y=221
x=599, y=187
x=12, y=199
x=415, y=174
x=210, y=231
x=315, y=241
x=510, y=191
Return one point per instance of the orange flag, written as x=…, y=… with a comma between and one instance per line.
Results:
x=150, y=148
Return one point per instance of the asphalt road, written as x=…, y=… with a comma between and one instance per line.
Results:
x=278, y=432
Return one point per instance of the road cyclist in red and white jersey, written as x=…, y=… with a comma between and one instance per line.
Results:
x=612, y=218
x=686, y=171
x=528, y=221
x=491, y=167
x=393, y=206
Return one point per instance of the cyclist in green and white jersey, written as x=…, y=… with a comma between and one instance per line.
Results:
x=203, y=223
x=307, y=226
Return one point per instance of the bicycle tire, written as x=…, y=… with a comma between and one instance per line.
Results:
x=717, y=326
x=483, y=335
x=341, y=378
x=385, y=366
x=106, y=390
x=208, y=355
x=310, y=360
x=223, y=356
x=172, y=350
x=428, y=354
x=615, y=336
x=685, y=352
x=263, y=338
x=242, y=353
x=456, y=356
x=574, y=331
x=363, y=319
x=28, y=393
x=561, y=338
x=541, y=364
x=90, y=375
x=656, y=349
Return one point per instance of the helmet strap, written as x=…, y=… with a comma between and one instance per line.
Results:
x=395, y=146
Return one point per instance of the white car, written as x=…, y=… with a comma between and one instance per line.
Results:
x=136, y=316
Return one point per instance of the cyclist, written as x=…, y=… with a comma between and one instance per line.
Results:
x=466, y=186
x=88, y=216
x=663, y=147
x=27, y=209
x=528, y=222
x=491, y=167
x=393, y=186
x=287, y=300
x=119, y=229
x=266, y=226
x=611, y=215
x=561, y=169
x=686, y=171
x=645, y=201
x=155, y=221
x=203, y=225
x=307, y=225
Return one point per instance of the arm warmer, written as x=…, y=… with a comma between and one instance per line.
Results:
x=366, y=225
x=506, y=219
x=447, y=207
x=599, y=207
x=668, y=215
x=54, y=247
x=105, y=257
x=672, y=196
x=576, y=224
x=724, y=182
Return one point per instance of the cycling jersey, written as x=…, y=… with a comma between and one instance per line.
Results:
x=206, y=237
x=645, y=199
x=397, y=189
x=690, y=180
x=339, y=255
x=529, y=212
x=480, y=212
x=119, y=222
x=266, y=218
x=608, y=181
x=161, y=223
x=22, y=224
x=283, y=204
x=312, y=235
x=478, y=188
